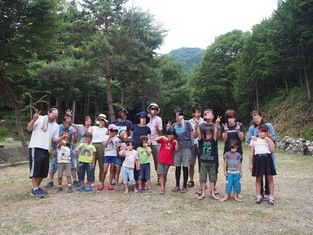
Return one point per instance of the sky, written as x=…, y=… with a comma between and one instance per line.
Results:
x=196, y=23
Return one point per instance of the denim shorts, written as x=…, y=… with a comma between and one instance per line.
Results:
x=109, y=159
x=119, y=161
x=85, y=167
x=233, y=182
x=128, y=173
x=144, y=172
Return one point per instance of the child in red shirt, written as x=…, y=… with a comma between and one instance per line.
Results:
x=166, y=155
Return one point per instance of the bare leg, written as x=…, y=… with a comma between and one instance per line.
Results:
x=258, y=180
x=104, y=173
x=270, y=184
x=225, y=198
x=126, y=188
x=117, y=175
x=191, y=172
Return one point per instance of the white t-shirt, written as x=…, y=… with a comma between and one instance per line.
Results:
x=130, y=158
x=64, y=154
x=261, y=146
x=98, y=134
x=42, y=139
x=151, y=125
x=110, y=149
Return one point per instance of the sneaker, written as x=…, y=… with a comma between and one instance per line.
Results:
x=271, y=201
x=69, y=190
x=36, y=193
x=110, y=187
x=49, y=185
x=88, y=189
x=139, y=190
x=258, y=200
x=162, y=191
x=176, y=189
x=183, y=190
x=265, y=198
x=113, y=182
x=150, y=190
x=76, y=183
x=100, y=187
x=43, y=191
x=81, y=188
x=60, y=189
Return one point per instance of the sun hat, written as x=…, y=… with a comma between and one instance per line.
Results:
x=102, y=116
x=112, y=127
x=153, y=105
x=143, y=114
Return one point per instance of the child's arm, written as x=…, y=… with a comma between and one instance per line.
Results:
x=148, y=150
x=158, y=138
x=216, y=131
x=105, y=143
x=195, y=131
x=251, y=157
x=149, y=138
x=78, y=147
x=137, y=165
x=271, y=143
x=122, y=152
x=176, y=145
x=93, y=160
x=240, y=167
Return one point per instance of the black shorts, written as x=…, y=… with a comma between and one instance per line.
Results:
x=38, y=162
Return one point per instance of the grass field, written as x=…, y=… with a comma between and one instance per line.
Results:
x=112, y=212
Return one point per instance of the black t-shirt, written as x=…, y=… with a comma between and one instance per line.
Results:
x=207, y=150
x=232, y=134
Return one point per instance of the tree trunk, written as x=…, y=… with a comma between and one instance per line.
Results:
x=17, y=112
x=257, y=95
x=109, y=96
x=74, y=110
x=286, y=85
x=307, y=84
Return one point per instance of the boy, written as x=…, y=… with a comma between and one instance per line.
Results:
x=64, y=164
x=144, y=152
x=86, y=161
x=166, y=155
x=232, y=171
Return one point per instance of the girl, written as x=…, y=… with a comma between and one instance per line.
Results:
x=131, y=159
x=257, y=119
x=144, y=152
x=166, y=155
x=261, y=162
x=110, y=154
x=119, y=160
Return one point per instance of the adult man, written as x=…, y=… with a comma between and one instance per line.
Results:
x=122, y=122
x=65, y=127
x=156, y=127
x=44, y=131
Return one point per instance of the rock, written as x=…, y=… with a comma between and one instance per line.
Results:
x=10, y=139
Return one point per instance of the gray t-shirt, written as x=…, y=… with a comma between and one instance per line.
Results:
x=111, y=150
x=184, y=134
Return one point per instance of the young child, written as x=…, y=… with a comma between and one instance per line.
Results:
x=207, y=158
x=166, y=155
x=119, y=160
x=86, y=161
x=131, y=159
x=232, y=171
x=110, y=155
x=64, y=164
x=261, y=162
x=144, y=152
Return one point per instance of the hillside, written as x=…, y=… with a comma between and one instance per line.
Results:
x=188, y=56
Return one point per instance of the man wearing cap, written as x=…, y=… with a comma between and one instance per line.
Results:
x=156, y=126
x=99, y=136
x=65, y=127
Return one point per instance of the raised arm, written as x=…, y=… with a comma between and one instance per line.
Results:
x=30, y=125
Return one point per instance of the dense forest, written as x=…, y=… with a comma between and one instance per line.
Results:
x=187, y=56
x=94, y=56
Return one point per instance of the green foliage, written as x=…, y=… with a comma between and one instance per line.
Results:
x=188, y=56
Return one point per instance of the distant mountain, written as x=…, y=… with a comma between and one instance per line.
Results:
x=188, y=56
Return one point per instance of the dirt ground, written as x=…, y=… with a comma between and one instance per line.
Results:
x=112, y=212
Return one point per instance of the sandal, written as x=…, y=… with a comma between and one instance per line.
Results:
x=258, y=200
x=201, y=197
x=215, y=197
x=191, y=184
x=176, y=189
x=183, y=190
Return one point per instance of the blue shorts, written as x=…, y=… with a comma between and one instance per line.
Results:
x=144, y=172
x=109, y=159
x=119, y=161
x=233, y=182
x=85, y=167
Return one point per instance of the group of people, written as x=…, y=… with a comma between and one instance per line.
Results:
x=126, y=147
